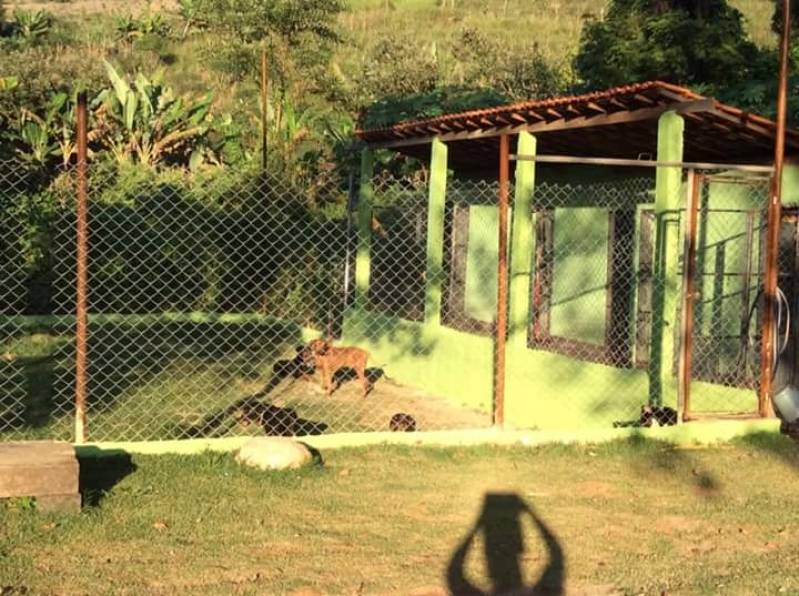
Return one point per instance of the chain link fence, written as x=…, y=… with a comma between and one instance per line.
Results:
x=728, y=299
x=207, y=289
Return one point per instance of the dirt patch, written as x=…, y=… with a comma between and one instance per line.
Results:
x=594, y=489
x=89, y=7
x=347, y=409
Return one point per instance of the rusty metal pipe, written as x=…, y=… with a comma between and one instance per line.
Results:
x=767, y=363
x=502, y=282
x=264, y=108
x=695, y=182
x=82, y=253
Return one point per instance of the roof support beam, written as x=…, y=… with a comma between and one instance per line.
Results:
x=702, y=105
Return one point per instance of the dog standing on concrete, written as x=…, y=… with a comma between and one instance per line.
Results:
x=330, y=359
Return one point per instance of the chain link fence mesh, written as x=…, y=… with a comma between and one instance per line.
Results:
x=730, y=253
x=206, y=290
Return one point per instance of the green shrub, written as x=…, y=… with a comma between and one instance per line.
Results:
x=32, y=25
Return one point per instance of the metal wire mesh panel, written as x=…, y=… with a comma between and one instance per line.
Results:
x=728, y=298
x=205, y=293
x=471, y=252
x=591, y=303
x=36, y=356
x=398, y=228
x=241, y=302
x=441, y=377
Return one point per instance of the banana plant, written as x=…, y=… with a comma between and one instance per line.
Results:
x=143, y=122
x=191, y=12
x=292, y=132
x=40, y=137
x=32, y=25
x=8, y=83
x=130, y=28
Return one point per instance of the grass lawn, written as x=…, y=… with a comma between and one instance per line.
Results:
x=633, y=517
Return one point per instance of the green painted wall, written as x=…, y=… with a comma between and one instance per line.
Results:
x=439, y=360
x=580, y=274
x=544, y=389
x=482, y=253
x=790, y=184
x=522, y=242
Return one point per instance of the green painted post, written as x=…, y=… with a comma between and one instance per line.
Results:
x=666, y=274
x=362, y=256
x=521, y=245
x=435, y=232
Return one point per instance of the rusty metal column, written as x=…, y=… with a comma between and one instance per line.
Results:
x=81, y=316
x=264, y=107
x=688, y=295
x=767, y=363
x=502, y=283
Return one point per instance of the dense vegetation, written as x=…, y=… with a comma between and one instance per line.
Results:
x=331, y=62
x=174, y=91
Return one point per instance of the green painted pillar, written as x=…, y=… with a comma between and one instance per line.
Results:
x=521, y=245
x=364, y=227
x=790, y=183
x=666, y=273
x=436, y=199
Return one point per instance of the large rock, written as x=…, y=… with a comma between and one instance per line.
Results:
x=274, y=453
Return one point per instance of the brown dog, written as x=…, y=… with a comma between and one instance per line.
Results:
x=330, y=360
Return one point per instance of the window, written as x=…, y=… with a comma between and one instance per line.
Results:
x=584, y=283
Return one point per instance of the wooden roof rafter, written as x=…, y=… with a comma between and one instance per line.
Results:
x=621, y=121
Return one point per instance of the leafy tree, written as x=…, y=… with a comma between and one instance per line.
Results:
x=693, y=42
x=255, y=20
x=776, y=19
x=396, y=67
x=517, y=72
x=469, y=71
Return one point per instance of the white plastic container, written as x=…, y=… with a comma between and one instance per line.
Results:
x=787, y=403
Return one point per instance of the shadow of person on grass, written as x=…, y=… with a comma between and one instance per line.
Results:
x=500, y=522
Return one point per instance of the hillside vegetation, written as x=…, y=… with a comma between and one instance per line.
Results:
x=329, y=61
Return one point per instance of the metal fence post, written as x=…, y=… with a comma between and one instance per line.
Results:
x=81, y=237
x=502, y=282
x=767, y=363
x=264, y=106
x=688, y=296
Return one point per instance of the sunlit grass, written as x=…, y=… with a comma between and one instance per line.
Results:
x=629, y=517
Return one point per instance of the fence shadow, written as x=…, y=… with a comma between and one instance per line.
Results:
x=500, y=522
x=256, y=410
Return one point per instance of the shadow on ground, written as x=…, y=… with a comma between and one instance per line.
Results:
x=255, y=410
x=661, y=457
x=500, y=523
x=100, y=473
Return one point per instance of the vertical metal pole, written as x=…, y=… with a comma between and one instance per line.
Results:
x=82, y=249
x=767, y=362
x=688, y=295
x=264, y=99
x=348, y=239
x=502, y=282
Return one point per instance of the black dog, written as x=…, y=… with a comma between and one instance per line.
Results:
x=274, y=420
x=402, y=423
x=652, y=416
